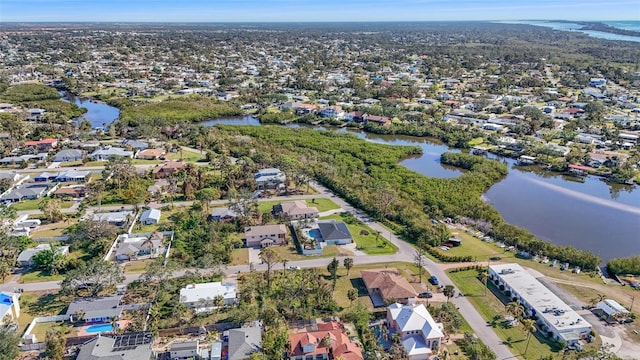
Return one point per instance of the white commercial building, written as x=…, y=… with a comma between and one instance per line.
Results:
x=554, y=317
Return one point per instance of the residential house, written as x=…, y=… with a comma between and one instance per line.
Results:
x=109, y=152
x=269, y=178
x=35, y=114
x=201, y=296
x=303, y=109
x=334, y=233
x=73, y=176
x=47, y=144
x=378, y=120
x=135, y=144
x=223, y=214
x=610, y=308
x=168, y=168
x=243, y=342
x=184, y=350
x=335, y=112
x=117, y=218
x=130, y=346
x=309, y=344
x=420, y=335
x=150, y=217
x=27, y=192
x=10, y=176
x=45, y=176
x=151, y=154
x=95, y=309
x=294, y=210
x=159, y=187
x=355, y=116
x=265, y=235
x=25, y=259
x=9, y=307
x=141, y=246
x=72, y=191
x=384, y=284
x=597, y=82
x=69, y=155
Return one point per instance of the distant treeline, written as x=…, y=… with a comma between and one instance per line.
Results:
x=622, y=266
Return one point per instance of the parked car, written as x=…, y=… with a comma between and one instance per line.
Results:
x=434, y=280
x=294, y=267
x=425, y=295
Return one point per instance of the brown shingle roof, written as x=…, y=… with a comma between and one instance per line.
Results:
x=389, y=283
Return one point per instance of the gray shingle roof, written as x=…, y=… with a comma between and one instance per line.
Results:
x=243, y=342
x=332, y=230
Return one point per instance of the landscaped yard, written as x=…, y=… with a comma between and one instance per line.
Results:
x=33, y=204
x=354, y=280
x=34, y=304
x=37, y=276
x=184, y=155
x=366, y=238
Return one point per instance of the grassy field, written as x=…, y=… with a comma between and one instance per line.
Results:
x=490, y=308
x=322, y=204
x=290, y=253
x=136, y=267
x=365, y=238
x=51, y=230
x=239, y=256
x=33, y=204
x=185, y=155
x=38, y=276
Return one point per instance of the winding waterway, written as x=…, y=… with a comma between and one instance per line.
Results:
x=590, y=215
x=99, y=114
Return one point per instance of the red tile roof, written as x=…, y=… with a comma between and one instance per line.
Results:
x=340, y=345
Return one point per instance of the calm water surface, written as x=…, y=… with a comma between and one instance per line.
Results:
x=100, y=115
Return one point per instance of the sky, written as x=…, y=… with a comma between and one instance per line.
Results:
x=313, y=10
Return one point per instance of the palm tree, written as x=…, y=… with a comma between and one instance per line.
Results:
x=516, y=309
x=352, y=295
x=529, y=325
x=448, y=291
x=348, y=264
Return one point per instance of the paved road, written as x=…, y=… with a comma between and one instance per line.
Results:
x=405, y=253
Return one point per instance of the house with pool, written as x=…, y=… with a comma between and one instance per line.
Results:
x=313, y=236
x=96, y=309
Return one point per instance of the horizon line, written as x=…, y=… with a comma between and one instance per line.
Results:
x=295, y=22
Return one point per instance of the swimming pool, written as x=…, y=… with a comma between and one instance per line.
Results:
x=93, y=329
x=314, y=234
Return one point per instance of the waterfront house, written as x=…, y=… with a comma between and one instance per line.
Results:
x=264, y=235
x=420, y=335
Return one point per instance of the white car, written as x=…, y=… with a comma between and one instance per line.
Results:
x=294, y=267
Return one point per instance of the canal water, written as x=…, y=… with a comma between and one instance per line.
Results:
x=99, y=114
x=587, y=214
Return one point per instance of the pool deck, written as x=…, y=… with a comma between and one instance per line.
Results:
x=82, y=331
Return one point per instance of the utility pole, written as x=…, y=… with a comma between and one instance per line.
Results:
x=633, y=297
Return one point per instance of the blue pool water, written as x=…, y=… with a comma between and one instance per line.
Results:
x=94, y=329
x=314, y=233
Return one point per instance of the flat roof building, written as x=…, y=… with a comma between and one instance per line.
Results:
x=554, y=317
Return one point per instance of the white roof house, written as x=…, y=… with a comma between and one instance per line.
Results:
x=117, y=218
x=108, y=152
x=201, y=296
x=150, y=216
x=555, y=318
x=420, y=334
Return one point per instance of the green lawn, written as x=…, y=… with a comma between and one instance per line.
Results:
x=239, y=256
x=472, y=246
x=365, y=237
x=137, y=266
x=322, y=204
x=37, y=276
x=34, y=304
x=489, y=307
x=33, y=204
x=290, y=253
x=185, y=155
